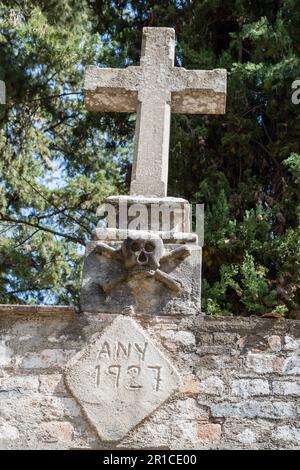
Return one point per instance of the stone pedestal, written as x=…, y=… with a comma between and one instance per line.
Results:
x=145, y=261
x=141, y=292
x=159, y=214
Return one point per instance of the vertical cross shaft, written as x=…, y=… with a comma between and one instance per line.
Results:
x=152, y=133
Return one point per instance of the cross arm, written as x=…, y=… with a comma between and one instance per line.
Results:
x=198, y=91
x=111, y=90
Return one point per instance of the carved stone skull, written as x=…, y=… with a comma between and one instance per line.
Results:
x=142, y=253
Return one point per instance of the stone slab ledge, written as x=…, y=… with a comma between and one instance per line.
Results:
x=16, y=309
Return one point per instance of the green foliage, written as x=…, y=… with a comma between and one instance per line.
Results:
x=293, y=163
x=58, y=161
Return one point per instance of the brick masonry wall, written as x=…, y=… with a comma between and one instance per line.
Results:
x=240, y=382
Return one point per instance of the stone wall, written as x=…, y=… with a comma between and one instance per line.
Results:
x=240, y=382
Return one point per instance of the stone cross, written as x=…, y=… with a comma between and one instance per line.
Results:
x=153, y=90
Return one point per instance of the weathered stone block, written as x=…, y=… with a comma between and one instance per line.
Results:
x=190, y=386
x=250, y=387
x=291, y=365
x=255, y=409
x=286, y=388
x=8, y=432
x=120, y=378
x=20, y=384
x=287, y=434
x=184, y=338
x=212, y=386
x=166, y=215
x=110, y=286
x=247, y=437
x=35, y=408
x=54, y=358
x=209, y=432
x=290, y=344
x=249, y=433
x=5, y=352
x=56, y=431
x=264, y=363
x=274, y=343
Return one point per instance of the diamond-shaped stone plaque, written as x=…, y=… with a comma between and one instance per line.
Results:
x=120, y=378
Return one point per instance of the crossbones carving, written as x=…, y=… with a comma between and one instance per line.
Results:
x=142, y=255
